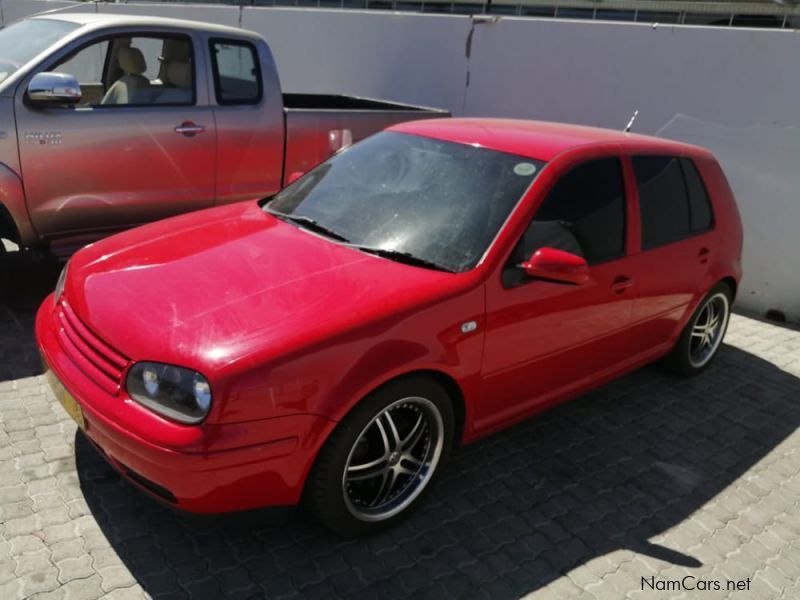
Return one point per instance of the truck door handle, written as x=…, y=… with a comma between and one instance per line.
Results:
x=189, y=129
x=703, y=255
x=621, y=284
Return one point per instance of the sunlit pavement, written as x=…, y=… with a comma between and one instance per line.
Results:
x=622, y=493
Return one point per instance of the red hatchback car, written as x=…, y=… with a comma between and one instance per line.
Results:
x=432, y=284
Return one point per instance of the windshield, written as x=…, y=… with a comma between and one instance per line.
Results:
x=22, y=41
x=439, y=202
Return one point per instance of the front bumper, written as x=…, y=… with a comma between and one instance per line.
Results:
x=205, y=468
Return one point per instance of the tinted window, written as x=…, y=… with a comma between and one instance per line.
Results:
x=583, y=214
x=236, y=76
x=700, y=217
x=673, y=206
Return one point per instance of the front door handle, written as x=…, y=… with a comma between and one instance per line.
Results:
x=621, y=284
x=703, y=255
x=189, y=129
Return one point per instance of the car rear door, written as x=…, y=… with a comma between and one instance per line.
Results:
x=545, y=338
x=139, y=147
x=677, y=245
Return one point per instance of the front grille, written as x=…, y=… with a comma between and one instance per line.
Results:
x=103, y=365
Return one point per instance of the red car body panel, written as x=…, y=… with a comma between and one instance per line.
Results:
x=292, y=329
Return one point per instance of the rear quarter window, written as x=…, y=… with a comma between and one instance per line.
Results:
x=237, y=75
x=701, y=217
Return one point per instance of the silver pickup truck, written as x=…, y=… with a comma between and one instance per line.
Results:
x=109, y=121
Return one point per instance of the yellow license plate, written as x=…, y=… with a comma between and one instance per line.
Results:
x=65, y=398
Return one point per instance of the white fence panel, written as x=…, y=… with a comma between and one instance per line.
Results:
x=732, y=90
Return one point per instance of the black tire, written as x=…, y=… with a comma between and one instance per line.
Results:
x=5, y=274
x=365, y=437
x=685, y=360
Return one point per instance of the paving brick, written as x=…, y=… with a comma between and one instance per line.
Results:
x=647, y=476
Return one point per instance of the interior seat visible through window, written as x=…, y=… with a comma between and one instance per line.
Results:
x=584, y=214
x=132, y=87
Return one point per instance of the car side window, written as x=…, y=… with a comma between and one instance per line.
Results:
x=583, y=214
x=131, y=70
x=237, y=79
x=701, y=217
x=672, y=199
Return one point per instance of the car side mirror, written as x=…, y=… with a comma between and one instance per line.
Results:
x=54, y=88
x=557, y=265
x=294, y=177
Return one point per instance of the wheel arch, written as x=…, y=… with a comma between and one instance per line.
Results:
x=14, y=218
x=446, y=381
x=731, y=283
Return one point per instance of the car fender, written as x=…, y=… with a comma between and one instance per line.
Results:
x=12, y=198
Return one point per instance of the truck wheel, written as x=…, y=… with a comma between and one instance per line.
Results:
x=5, y=273
x=377, y=463
x=702, y=336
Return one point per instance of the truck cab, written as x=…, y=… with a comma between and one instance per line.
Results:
x=110, y=121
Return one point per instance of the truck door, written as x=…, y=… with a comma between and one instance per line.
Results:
x=138, y=147
x=248, y=111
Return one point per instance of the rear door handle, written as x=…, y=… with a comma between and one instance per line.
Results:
x=703, y=255
x=189, y=129
x=621, y=284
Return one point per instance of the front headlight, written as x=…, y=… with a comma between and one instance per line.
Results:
x=177, y=393
x=60, y=284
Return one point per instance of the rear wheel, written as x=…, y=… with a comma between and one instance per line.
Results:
x=703, y=334
x=382, y=457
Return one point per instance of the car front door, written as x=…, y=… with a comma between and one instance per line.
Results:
x=545, y=338
x=139, y=146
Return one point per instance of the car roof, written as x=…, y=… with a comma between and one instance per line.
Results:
x=539, y=140
x=99, y=20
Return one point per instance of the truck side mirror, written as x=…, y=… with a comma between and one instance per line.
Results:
x=54, y=88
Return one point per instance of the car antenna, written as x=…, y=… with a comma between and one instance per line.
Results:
x=630, y=123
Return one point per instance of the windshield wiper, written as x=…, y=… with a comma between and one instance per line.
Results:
x=403, y=257
x=308, y=223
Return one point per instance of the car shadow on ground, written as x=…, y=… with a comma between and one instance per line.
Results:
x=512, y=513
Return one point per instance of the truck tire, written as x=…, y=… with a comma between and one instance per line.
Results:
x=5, y=273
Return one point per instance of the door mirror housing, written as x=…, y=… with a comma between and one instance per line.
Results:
x=54, y=88
x=557, y=265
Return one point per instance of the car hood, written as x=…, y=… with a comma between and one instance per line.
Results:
x=215, y=286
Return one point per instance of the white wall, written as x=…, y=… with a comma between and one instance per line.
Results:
x=735, y=91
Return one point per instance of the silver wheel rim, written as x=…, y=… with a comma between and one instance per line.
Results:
x=708, y=328
x=393, y=459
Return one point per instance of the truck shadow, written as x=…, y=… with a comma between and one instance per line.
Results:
x=609, y=470
x=31, y=278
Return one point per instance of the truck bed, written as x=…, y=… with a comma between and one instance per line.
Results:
x=318, y=125
x=341, y=102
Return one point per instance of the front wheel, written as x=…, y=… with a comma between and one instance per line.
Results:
x=5, y=273
x=382, y=457
x=703, y=334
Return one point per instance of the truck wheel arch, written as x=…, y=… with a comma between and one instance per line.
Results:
x=15, y=222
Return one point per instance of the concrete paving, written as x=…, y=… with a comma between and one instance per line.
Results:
x=645, y=488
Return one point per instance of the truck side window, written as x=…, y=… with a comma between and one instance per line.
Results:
x=237, y=79
x=132, y=70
